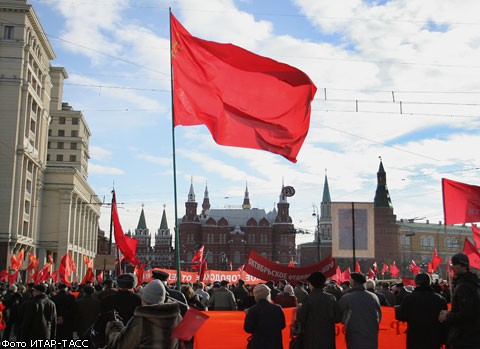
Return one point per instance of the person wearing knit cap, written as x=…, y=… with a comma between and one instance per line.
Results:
x=152, y=323
x=286, y=298
x=318, y=314
x=361, y=314
x=420, y=309
x=265, y=321
x=124, y=300
x=463, y=319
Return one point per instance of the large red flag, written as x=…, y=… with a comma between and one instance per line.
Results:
x=471, y=251
x=245, y=100
x=461, y=202
x=126, y=244
x=89, y=277
x=394, y=270
x=476, y=235
x=436, y=260
x=346, y=275
x=198, y=258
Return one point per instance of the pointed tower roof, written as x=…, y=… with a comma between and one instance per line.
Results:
x=246, y=199
x=382, y=197
x=206, y=200
x=326, y=190
x=163, y=223
x=191, y=193
x=142, y=223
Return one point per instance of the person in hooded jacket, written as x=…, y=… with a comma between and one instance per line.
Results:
x=151, y=325
x=463, y=319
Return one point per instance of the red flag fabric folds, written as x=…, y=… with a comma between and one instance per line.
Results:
x=357, y=267
x=346, y=275
x=89, y=277
x=43, y=274
x=13, y=277
x=371, y=273
x=461, y=202
x=126, y=244
x=385, y=268
x=139, y=269
x=2, y=320
x=414, y=268
x=476, y=235
x=190, y=324
x=436, y=260
x=3, y=275
x=394, y=270
x=245, y=100
x=65, y=269
x=472, y=252
x=16, y=261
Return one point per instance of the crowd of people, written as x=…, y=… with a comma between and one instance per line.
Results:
x=143, y=316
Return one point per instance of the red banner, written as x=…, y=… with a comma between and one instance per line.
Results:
x=265, y=269
x=209, y=278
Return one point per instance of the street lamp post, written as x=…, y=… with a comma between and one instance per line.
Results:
x=317, y=215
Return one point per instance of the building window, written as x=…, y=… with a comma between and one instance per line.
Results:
x=60, y=145
x=49, y=145
x=49, y=132
x=59, y=157
x=25, y=228
x=48, y=157
x=61, y=133
x=32, y=126
x=451, y=242
x=29, y=186
x=74, y=133
x=74, y=121
x=406, y=240
x=73, y=158
x=61, y=121
x=8, y=32
x=27, y=207
x=73, y=145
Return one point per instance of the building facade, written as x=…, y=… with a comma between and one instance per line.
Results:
x=229, y=234
x=48, y=208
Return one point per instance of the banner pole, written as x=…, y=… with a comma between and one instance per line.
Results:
x=177, y=234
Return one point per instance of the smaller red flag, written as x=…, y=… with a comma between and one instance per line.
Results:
x=394, y=270
x=371, y=273
x=3, y=275
x=54, y=276
x=240, y=268
x=190, y=324
x=346, y=275
x=385, y=268
x=198, y=258
x=100, y=277
x=357, y=267
x=436, y=260
x=476, y=235
x=472, y=253
x=430, y=268
x=408, y=282
x=43, y=274
x=375, y=269
x=291, y=264
x=65, y=269
x=13, y=277
x=338, y=275
x=414, y=268
x=203, y=269
x=50, y=259
x=139, y=268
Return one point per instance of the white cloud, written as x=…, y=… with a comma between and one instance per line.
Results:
x=104, y=170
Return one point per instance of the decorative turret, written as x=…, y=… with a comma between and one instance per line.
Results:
x=206, y=201
x=142, y=223
x=326, y=204
x=283, y=215
x=246, y=199
x=382, y=197
x=191, y=206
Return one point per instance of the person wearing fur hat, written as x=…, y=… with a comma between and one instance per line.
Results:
x=124, y=301
x=318, y=314
x=463, y=319
x=265, y=321
x=361, y=314
x=151, y=325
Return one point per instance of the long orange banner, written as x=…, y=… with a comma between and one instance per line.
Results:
x=224, y=329
x=209, y=278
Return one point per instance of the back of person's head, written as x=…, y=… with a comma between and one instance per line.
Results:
x=153, y=293
x=370, y=284
x=201, y=285
x=13, y=288
x=316, y=279
x=260, y=292
x=422, y=280
x=187, y=291
x=88, y=290
x=358, y=278
x=288, y=289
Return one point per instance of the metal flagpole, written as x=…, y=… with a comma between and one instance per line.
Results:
x=177, y=235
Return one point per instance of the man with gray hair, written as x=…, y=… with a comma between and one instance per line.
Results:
x=370, y=286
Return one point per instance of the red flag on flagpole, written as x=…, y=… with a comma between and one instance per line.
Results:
x=198, y=258
x=16, y=261
x=65, y=269
x=100, y=276
x=13, y=277
x=89, y=277
x=346, y=275
x=43, y=274
x=338, y=275
x=476, y=235
x=357, y=267
x=472, y=253
x=436, y=260
x=371, y=273
x=291, y=264
x=33, y=262
x=394, y=270
x=375, y=268
x=245, y=100
x=3, y=275
x=430, y=268
x=203, y=269
x=461, y=202
x=385, y=268
x=126, y=244
x=139, y=269
x=414, y=268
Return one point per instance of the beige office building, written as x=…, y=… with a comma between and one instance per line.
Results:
x=46, y=204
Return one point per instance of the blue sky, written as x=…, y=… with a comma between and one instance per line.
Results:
x=424, y=54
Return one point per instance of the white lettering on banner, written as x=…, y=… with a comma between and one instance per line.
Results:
x=328, y=266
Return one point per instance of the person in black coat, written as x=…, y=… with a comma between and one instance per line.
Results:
x=87, y=309
x=420, y=310
x=463, y=319
x=265, y=321
x=124, y=301
x=65, y=304
x=318, y=314
x=37, y=318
